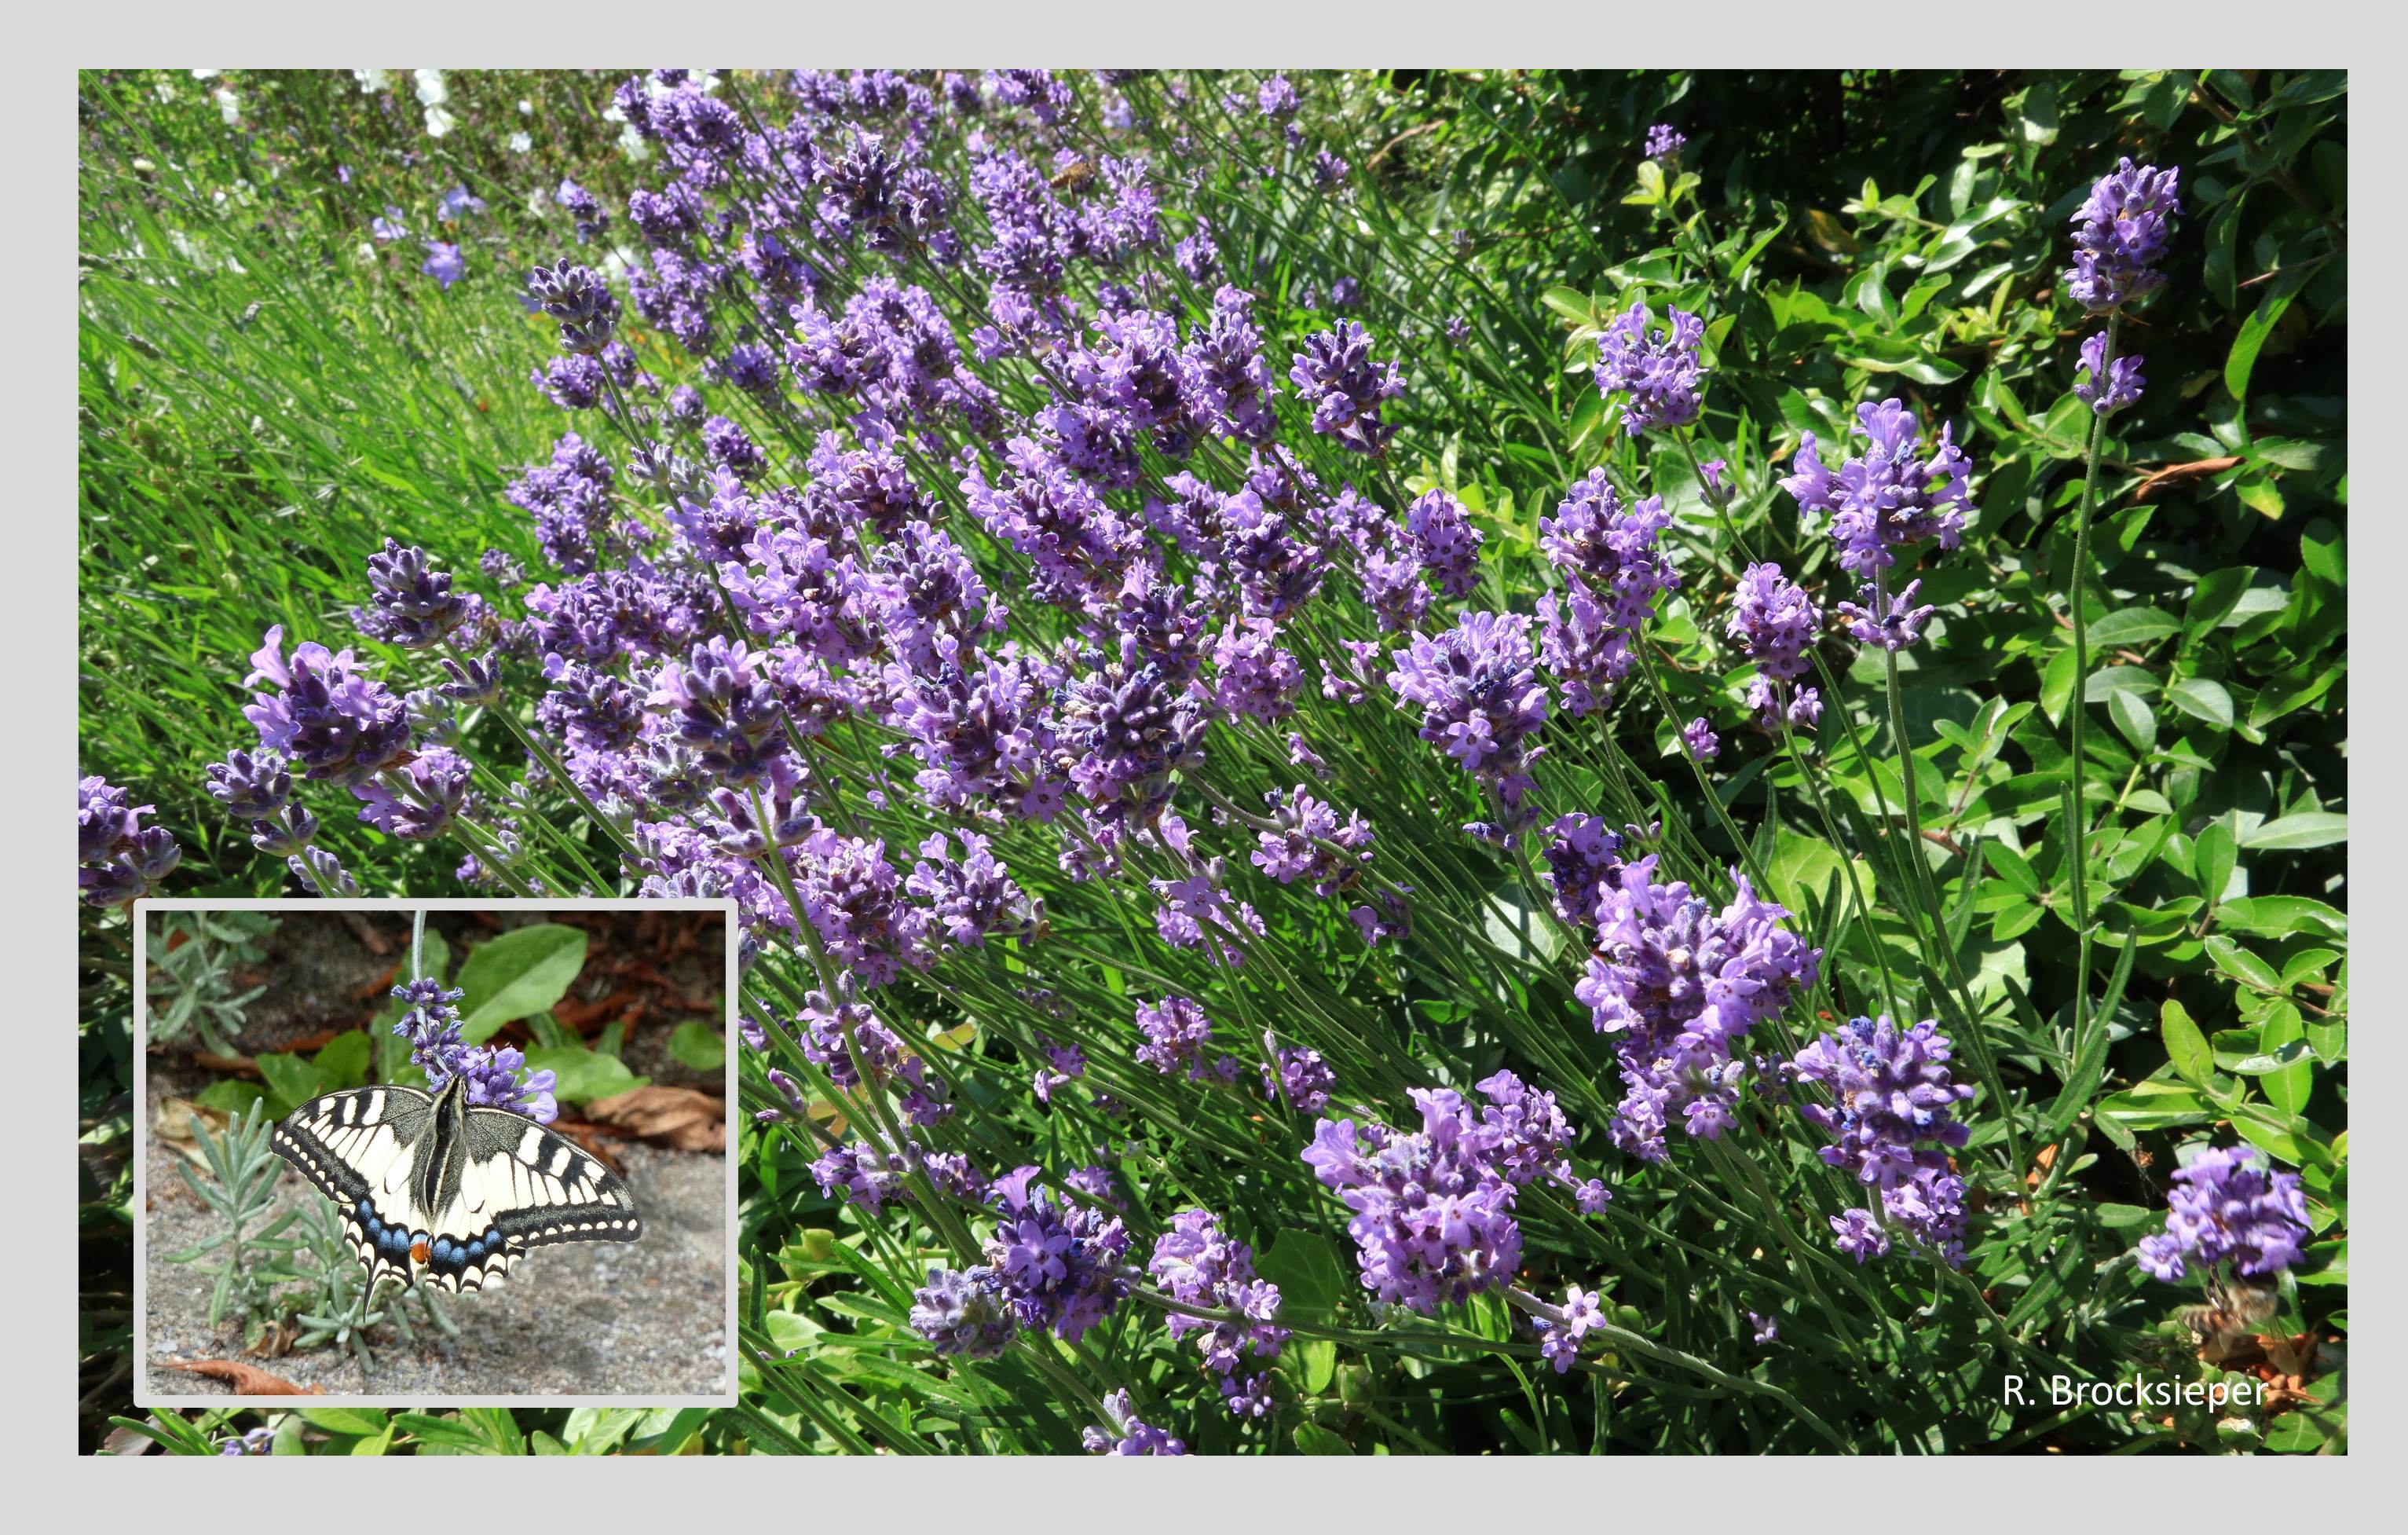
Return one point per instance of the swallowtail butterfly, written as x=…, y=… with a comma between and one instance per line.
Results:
x=436, y=1191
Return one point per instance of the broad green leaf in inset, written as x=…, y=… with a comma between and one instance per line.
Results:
x=1318, y=1359
x=522, y=971
x=291, y=1081
x=2279, y=916
x=2240, y=963
x=1312, y=1439
x=344, y=1420
x=344, y=1062
x=696, y=1044
x=230, y=1097
x=584, y=1075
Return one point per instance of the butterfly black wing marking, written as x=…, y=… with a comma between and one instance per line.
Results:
x=359, y=1147
x=435, y=1192
x=521, y=1185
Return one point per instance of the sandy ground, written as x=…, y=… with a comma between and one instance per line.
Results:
x=646, y=1318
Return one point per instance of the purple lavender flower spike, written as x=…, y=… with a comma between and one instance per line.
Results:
x=2122, y=384
x=2121, y=236
x=1885, y=497
x=1892, y=1122
x=1659, y=377
x=2229, y=1205
x=1678, y=985
x=1126, y=1434
x=411, y=604
x=1481, y=702
x=337, y=726
x=1336, y=376
x=1197, y=1264
x=1663, y=142
x=444, y=262
x=123, y=859
x=1894, y=629
x=1699, y=740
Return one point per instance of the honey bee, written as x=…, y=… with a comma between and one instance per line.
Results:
x=1074, y=177
x=2236, y=1309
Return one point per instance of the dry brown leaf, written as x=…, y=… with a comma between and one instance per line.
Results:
x=244, y=1380
x=126, y=1442
x=2181, y=474
x=676, y=1116
x=172, y=1122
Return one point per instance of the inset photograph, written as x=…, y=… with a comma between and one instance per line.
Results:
x=462, y=1149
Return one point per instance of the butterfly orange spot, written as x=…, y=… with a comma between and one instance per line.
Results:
x=418, y=1252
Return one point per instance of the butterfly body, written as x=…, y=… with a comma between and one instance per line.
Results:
x=436, y=1191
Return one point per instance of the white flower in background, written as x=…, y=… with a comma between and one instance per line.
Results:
x=438, y=121
x=166, y=90
x=632, y=145
x=431, y=91
x=526, y=108
x=371, y=80
x=520, y=143
x=615, y=270
x=365, y=254
x=207, y=74
x=229, y=106
x=540, y=200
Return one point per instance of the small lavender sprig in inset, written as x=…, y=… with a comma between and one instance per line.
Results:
x=430, y=1024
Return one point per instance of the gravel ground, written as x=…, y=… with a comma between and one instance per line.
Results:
x=646, y=1318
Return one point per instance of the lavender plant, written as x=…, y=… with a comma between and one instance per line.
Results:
x=1182, y=819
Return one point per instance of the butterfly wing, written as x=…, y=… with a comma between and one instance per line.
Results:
x=521, y=1186
x=360, y=1148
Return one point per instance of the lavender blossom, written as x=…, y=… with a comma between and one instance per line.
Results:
x=1892, y=629
x=1336, y=376
x=411, y=604
x=2121, y=236
x=1433, y=1221
x=2229, y=1205
x=1663, y=142
x=1658, y=377
x=1678, y=985
x=1892, y=1124
x=1480, y=702
x=1697, y=738
x=1304, y=1082
x=123, y=859
x=418, y=800
x=1126, y=1434
x=337, y=726
x=1885, y=497
x=1197, y=1264
x=430, y=1024
x=2116, y=385
x=1447, y=543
